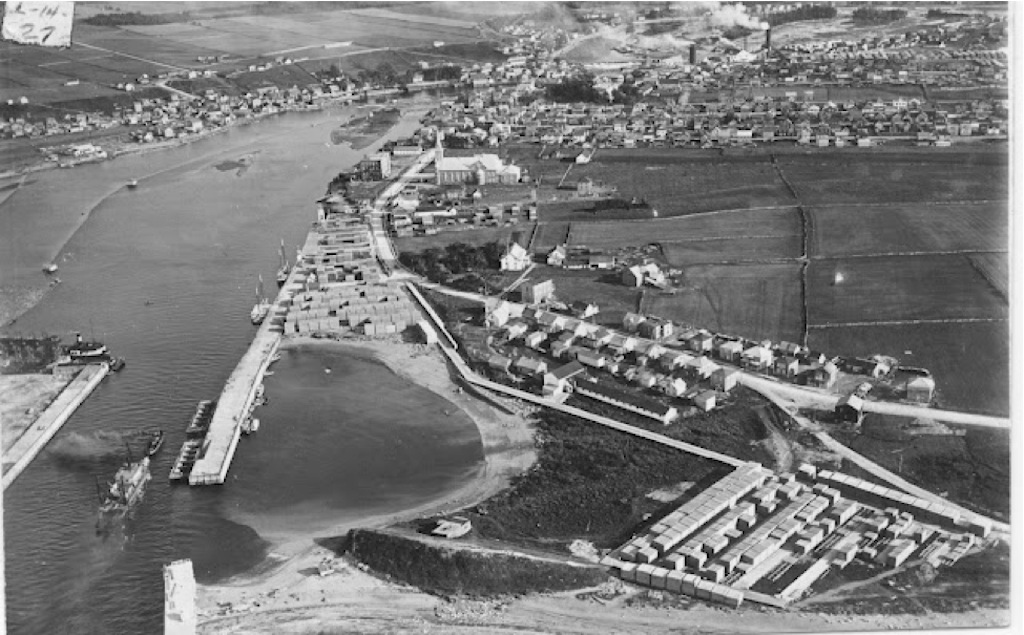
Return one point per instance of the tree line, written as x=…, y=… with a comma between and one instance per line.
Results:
x=807, y=12
x=438, y=264
x=870, y=15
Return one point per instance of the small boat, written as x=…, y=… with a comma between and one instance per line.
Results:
x=134, y=183
x=250, y=425
x=285, y=268
x=50, y=268
x=261, y=309
x=155, y=443
x=116, y=364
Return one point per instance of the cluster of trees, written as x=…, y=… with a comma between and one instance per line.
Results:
x=869, y=15
x=135, y=18
x=941, y=13
x=736, y=31
x=575, y=89
x=806, y=12
x=609, y=204
x=440, y=73
x=457, y=258
x=385, y=74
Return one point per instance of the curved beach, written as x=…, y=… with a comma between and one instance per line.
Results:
x=508, y=451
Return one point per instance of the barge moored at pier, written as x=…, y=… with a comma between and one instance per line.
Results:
x=195, y=438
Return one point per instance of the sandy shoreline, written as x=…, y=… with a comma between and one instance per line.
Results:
x=508, y=450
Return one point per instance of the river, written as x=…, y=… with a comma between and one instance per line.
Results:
x=165, y=274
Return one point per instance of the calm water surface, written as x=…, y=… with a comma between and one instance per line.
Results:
x=165, y=275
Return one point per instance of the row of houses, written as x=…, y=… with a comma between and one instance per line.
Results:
x=652, y=355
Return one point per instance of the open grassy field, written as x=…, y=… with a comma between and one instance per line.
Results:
x=290, y=75
x=756, y=301
x=678, y=181
x=604, y=289
x=737, y=225
x=681, y=253
x=970, y=361
x=979, y=173
x=908, y=228
x=900, y=288
x=974, y=470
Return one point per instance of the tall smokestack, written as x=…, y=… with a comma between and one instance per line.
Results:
x=768, y=42
x=693, y=54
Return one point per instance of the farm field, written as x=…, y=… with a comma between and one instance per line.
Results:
x=995, y=268
x=734, y=225
x=678, y=182
x=755, y=301
x=549, y=236
x=681, y=253
x=217, y=32
x=899, y=288
x=464, y=11
x=970, y=362
x=942, y=174
x=415, y=18
x=908, y=228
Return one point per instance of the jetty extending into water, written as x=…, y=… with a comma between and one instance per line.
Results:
x=233, y=405
x=239, y=395
x=35, y=438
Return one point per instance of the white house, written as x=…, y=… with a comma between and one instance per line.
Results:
x=515, y=258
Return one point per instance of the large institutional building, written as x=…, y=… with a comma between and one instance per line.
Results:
x=479, y=169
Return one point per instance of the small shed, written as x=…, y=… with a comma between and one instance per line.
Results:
x=724, y=379
x=921, y=389
x=705, y=400
x=850, y=408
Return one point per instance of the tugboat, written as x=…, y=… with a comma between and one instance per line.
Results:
x=285, y=269
x=83, y=352
x=155, y=443
x=261, y=309
x=126, y=490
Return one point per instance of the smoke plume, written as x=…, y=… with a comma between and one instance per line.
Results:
x=77, y=446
